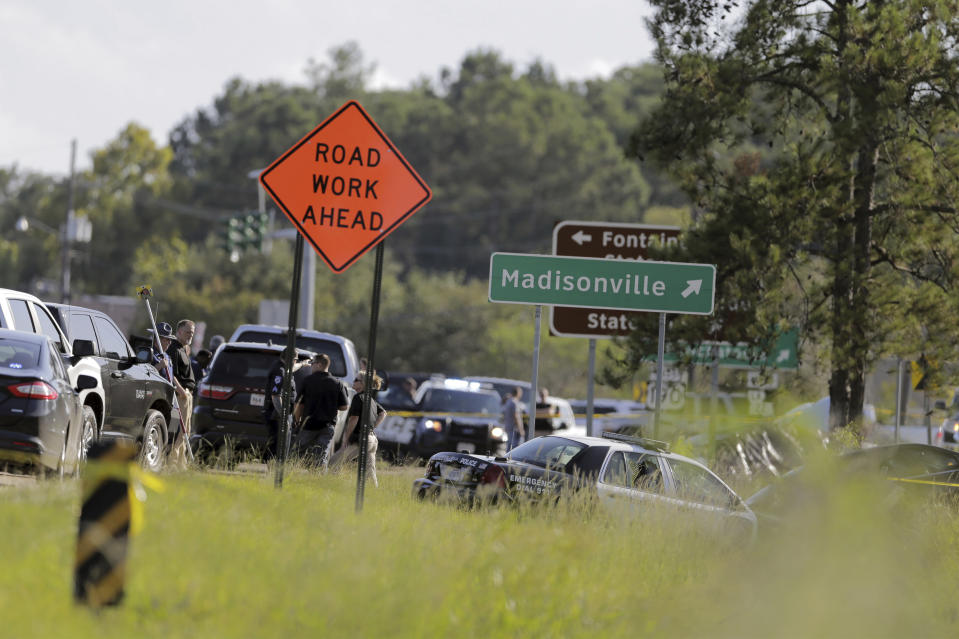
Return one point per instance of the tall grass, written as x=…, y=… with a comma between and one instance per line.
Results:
x=227, y=555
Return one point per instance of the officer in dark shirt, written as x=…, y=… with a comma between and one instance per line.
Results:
x=318, y=406
x=274, y=391
x=182, y=367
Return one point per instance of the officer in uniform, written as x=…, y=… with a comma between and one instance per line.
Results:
x=318, y=405
x=272, y=402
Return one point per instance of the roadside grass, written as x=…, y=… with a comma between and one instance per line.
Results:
x=228, y=555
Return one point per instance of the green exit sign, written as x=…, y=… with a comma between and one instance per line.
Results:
x=658, y=287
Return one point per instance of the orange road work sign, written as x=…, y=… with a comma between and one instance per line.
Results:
x=345, y=186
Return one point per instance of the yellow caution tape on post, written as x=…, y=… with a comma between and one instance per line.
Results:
x=140, y=480
x=924, y=481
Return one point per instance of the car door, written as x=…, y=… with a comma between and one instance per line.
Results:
x=125, y=383
x=698, y=489
x=632, y=478
x=72, y=410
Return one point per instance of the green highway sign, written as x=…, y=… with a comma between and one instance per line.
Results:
x=784, y=354
x=660, y=287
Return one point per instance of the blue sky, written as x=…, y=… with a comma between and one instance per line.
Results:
x=85, y=69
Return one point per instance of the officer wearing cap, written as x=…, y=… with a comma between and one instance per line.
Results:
x=160, y=359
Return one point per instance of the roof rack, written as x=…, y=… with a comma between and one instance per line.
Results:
x=653, y=444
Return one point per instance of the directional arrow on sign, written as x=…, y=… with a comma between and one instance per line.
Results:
x=693, y=286
x=581, y=237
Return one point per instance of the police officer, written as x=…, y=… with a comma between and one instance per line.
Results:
x=272, y=401
x=318, y=405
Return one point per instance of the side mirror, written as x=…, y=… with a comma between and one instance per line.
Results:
x=86, y=382
x=144, y=356
x=83, y=348
x=939, y=405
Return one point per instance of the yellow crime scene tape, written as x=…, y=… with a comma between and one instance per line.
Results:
x=113, y=492
x=923, y=481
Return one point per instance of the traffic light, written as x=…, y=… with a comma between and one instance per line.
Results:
x=255, y=230
x=230, y=237
x=244, y=231
x=261, y=227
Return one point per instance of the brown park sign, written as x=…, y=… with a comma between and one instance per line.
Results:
x=605, y=240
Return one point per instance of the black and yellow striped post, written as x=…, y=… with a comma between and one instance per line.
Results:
x=100, y=567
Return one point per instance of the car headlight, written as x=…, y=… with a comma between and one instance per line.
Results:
x=433, y=424
x=955, y=427
x=498, y=433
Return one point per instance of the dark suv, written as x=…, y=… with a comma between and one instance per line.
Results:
x=229, y=405
x=138, y=401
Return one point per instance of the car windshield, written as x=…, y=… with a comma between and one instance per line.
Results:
x=16, y=355
x=238, y=365
x=457, y=401
x=396, y=397
x=315, y=344
x=546, y=451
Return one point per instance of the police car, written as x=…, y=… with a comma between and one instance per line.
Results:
x=619, y=469
x=446, y=415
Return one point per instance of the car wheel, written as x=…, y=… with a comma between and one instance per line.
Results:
x=87, y=436
x=153, y=444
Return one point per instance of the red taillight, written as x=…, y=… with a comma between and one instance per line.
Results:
x=211, y=391
x=33, y=390
x=494, y=475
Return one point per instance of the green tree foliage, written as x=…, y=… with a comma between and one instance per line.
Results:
x=515, y=154
x=30, y=259
x=846, y=220
x=507, y=152
x=120, y=195
x=249, y=125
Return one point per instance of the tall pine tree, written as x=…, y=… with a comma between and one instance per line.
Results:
x=819, y=141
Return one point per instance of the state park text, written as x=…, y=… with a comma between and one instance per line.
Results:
x=667, y=287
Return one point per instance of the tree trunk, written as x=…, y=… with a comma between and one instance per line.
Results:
x=862, y=318
x=842, y=368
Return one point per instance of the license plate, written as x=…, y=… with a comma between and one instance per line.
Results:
x=466, y=447
x=451, y=474
x=256, y=399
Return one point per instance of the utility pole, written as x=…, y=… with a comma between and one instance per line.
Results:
x=66, y=239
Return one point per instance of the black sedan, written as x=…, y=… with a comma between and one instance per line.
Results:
x=920, y=469
x=41, y=417
x=619, y=469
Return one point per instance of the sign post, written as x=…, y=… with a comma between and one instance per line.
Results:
x=345, y=187
x=534, y=392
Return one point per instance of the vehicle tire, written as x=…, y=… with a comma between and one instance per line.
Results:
x=88, y=435
x=153, y=443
